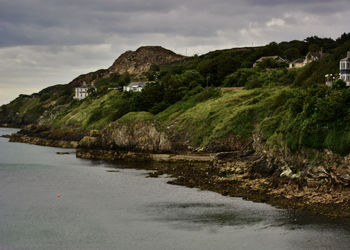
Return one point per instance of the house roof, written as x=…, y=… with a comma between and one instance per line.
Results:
x=85, y=86
x=315, y=54
x=299, y=60
x=277, y=58
x=319, y=54
x=268, y=57
x=137, y=84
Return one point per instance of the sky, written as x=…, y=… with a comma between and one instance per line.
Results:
x=47, y=42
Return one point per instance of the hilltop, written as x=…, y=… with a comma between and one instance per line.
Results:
x=141, y=60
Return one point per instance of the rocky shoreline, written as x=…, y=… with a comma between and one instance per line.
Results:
x=240, y=173
x=233, y=176
x=42, y=141
x=7, y=125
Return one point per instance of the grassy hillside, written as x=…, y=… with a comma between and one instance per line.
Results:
x=289, y=118
x=293, y=109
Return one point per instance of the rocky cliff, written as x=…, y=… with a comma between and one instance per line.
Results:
x=138, y=136
x=136, y=62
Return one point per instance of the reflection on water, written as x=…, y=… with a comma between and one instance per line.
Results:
x=104, y=206
x=206, y=214
x=196, y=216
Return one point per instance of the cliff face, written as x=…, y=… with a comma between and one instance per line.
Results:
x=140, y=136
x=136, y=62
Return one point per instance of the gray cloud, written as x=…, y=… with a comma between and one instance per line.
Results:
x=44, y=42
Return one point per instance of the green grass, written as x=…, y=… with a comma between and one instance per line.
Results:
x=235, y=112
x=290, y=118
x=136, y=116
x=90, y=113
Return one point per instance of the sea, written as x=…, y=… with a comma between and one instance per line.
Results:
x=57, y=201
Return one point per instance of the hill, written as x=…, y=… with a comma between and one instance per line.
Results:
x=318, y=113
x=141, y=60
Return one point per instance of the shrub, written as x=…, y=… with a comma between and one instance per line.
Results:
x=207, y=93
x=339, y=84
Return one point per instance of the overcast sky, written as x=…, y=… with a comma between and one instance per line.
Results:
x=46, y=42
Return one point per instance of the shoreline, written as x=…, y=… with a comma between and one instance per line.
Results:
x=5, y=125
x=232, y=178
x=42, y=141
x=226, y=173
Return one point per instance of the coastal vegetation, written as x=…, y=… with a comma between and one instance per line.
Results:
x=292, y=109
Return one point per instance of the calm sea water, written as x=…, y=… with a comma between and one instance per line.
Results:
x=98, y=209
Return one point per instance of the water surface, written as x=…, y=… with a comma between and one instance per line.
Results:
x=122, y=209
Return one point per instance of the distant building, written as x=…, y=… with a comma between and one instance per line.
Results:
x=310, y=57
x=329, y=79
x=276, y=58
x=83, y=91
x=313, y=56
x=344, y=66
x=344, y=72
x=298, y=63
x=135, y=86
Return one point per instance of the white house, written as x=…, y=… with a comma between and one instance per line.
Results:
x=83, y=91
x=135, y=86
x=344, y=72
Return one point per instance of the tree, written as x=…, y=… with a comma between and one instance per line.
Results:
x=240, y=77
x=154, y=68
x=339, y=84
x=292, y=54
x=125, y=79
x=270, y=63
x=343, y=38
x=314, y=47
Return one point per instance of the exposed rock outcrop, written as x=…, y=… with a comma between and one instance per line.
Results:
x=139, y=136
x=42, y=141
x=330, y=169
x=136, y=62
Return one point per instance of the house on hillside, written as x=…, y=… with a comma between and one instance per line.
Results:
x=83, y=91
x=135, y=86
x=298, y=63
x=310, y=57
x=313, y=56
x=329, y=79
x=276, y=58
x=344, y=67
x=344, y=72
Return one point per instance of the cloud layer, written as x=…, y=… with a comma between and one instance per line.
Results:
x=45, y=42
